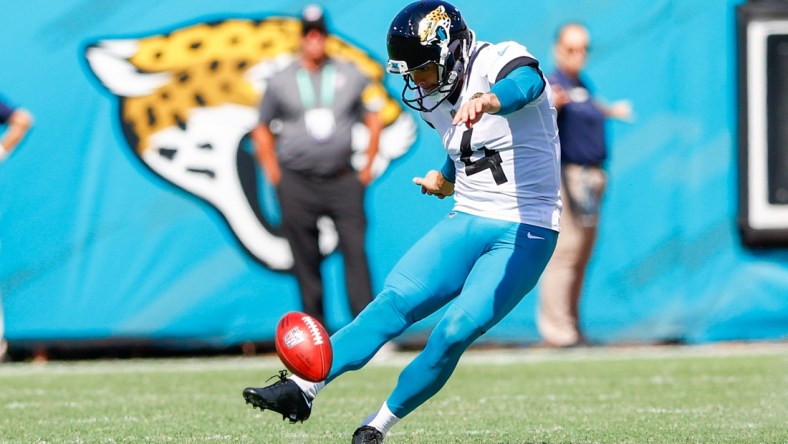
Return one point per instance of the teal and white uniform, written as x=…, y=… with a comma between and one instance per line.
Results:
x=523, y=185
x=489, y=252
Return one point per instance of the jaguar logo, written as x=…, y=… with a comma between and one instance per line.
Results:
x=188, y=101
x=434, y=27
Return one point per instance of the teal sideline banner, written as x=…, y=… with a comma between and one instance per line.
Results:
x=135, y=210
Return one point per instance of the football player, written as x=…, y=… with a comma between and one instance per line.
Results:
x=493, y=111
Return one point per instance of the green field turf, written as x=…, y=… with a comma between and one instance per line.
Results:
x=710, y=394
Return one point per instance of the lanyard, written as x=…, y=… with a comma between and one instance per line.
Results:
x=307, y=90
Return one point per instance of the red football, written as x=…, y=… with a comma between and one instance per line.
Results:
x=303, y=346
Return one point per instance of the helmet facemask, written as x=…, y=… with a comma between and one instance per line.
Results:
x=450, y=69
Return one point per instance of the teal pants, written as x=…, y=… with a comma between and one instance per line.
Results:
x=480, y=267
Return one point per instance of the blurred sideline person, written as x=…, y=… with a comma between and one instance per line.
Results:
x=492, y=110
x=18, y=122
x=581, y=127
x=314, y=102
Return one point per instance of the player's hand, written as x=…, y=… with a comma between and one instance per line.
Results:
x=471, y=111
x=434, y=184
x=560, y=97
x=621, y=110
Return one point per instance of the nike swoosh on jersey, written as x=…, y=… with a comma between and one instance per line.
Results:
x=532, y=236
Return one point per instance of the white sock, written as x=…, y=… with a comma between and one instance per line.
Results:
x=382, y=420
x=3, y=152
x=309, y=388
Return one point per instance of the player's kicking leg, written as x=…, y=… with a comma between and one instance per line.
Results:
x=409, y=295
x=354, y=346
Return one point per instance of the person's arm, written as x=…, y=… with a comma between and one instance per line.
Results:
x=560, y=96
x=264, y=139
x=265, y=144
x=375, y=126
x=449, y=172
x=519, y=88
x=621, y=110
x=19, y=123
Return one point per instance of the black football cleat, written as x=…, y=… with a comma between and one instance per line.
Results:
x=284, y=396
x=367, y=435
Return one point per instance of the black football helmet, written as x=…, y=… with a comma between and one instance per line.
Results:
x=428, y=31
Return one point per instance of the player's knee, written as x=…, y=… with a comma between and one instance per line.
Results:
x=389, y=307
x=456, y=330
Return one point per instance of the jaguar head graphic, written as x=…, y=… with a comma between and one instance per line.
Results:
x=188, y=101
x=434, y=27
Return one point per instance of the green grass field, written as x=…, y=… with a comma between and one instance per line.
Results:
x=711, y=394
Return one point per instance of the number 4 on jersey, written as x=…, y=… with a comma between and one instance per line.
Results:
x=491, y=160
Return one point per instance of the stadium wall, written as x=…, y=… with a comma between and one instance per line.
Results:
x=103, y=241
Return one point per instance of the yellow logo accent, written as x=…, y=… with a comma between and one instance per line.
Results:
x=434, y=27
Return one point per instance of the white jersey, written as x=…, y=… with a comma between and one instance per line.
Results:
x=508, y=167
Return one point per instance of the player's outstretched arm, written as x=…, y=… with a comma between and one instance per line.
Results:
x=520, y=87
x=471, y=111
x=434, y=184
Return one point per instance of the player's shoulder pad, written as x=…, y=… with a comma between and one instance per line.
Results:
x=498, y=54
x=496, y=57
x=507, y=50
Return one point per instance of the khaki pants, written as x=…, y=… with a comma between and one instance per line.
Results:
x=559, y=296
